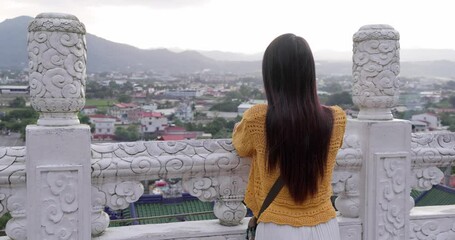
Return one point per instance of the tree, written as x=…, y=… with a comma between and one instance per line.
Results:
x=18, y=102
x=452, y=101
x=131, y=133
x=17, y=120
x=124, y=98
x=333, y=87
x=84, y=119
x=226, y=106
x=343, y=98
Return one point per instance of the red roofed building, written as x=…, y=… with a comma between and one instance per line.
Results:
x=432, y=120
x=104, y=126
x=152, y=122
x=126, y=112
x=175, y=133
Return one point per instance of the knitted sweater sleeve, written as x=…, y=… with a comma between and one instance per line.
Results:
x=242, y=139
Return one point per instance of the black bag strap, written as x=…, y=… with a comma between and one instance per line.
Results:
x=277, y=186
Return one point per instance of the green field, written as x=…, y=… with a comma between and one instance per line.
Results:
x=100, y=102
x=8, y=109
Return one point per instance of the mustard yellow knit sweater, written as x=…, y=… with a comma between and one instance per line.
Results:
x=249, y=141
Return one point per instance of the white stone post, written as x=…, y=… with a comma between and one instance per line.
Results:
x=385, y=143
x=58, y=148
x=376, y=64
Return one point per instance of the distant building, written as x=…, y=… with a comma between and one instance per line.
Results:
x=184, y=112
x=104, y=126
x=430, y=119
x=89, y=110
x=140, y=97
x=126, y=112
x=419, y=126
x=149, y=107
x=174, y=133
x=443, y=110
x=9, y=93
x=431, y=96
x=21, y=90
x=166, y=111
x=152, y=122
x=185, y=93
x=247, y=105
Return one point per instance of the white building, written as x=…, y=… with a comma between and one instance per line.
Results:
x=149, y=107
x=183, y=93
x=126, y=112
x=247, y=105
x=151, y=122
x=419, y=126
x=20, y=90
x=184, y=112
x=89, y=110
x=104, y=127
x=430, y=119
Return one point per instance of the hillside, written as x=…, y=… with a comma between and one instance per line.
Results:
x=105, y=55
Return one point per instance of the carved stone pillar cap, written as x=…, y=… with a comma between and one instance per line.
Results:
x=376, y=32
x=58, y=22
x=57, y=68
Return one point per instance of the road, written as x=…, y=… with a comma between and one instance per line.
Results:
x=14, y=139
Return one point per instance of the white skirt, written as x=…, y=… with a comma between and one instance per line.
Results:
x=323, y=231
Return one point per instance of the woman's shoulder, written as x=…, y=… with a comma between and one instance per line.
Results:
x=339, y=115
x=257, y=111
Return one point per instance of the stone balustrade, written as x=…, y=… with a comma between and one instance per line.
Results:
x=430, y=152
x=58, y=185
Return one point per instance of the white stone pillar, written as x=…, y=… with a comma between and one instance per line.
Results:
x=385, y=143
x=376, y=65
x=58, y=147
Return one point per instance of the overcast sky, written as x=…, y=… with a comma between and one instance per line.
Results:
x=249, y=25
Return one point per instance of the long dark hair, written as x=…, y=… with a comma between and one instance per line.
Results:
x=298, y=128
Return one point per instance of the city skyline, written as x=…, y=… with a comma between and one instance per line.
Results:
x=248, y=26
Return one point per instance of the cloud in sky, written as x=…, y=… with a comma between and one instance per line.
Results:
x=249, y=25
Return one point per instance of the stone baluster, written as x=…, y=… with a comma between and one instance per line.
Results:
x=385, y=143
x=58, y=147
x=375, y=69
x=345, y=181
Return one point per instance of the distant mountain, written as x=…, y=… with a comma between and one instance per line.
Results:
x=406, y=55
x=231, y=56
x=13, y=42
x=105, y=55
x=438, y=69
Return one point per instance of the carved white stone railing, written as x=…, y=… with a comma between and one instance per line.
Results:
x=209, y=169
x=12, y=189
x=429, y=152
x=345, y=181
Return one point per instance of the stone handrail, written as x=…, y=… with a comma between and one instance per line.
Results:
x=429, y=152
x=210, y=170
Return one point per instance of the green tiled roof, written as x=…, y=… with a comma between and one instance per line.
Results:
x=126, y=214
x=415, y=194
x=181, y=208
x=438, y=195
x=157, y=209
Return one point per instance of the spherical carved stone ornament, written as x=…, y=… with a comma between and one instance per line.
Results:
x=57, y=68
x=375, y=88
